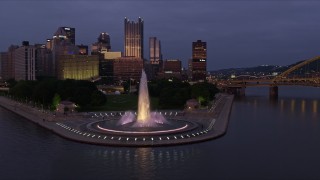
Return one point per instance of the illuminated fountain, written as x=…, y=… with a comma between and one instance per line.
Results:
x=144, y=102
x=144, y=122
x=144, y=117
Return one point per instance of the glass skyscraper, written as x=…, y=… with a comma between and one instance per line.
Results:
x=199, y=60
x=155, y=50
x=133, y=38
x=66, y=33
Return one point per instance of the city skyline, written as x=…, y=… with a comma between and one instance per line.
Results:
x=239, y=34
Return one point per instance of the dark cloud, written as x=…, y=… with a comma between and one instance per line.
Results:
x=238, y=33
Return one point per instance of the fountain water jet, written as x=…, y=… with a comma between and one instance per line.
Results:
x=144, y=117
x=143, y=102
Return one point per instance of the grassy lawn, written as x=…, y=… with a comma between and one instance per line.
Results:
x=122, y=102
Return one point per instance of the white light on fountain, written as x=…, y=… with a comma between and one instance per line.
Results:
x=144, y=117
x=144, y=102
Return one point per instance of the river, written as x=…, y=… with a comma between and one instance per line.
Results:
x=266, y=139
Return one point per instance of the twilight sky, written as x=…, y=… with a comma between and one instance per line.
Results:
x=238, y=33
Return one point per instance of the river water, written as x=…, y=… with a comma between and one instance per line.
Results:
x=266, y=139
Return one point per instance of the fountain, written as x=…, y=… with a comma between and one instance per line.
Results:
x=144, y=102
x=142, y=123
x=144, y=118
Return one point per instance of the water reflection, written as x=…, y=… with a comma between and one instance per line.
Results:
x=281, y=105
x=285, y=105
x=315, y=106
x=293, y=103
x=303, y=106
x=144, y=163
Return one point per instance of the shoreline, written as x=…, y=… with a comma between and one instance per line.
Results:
x=215, y=122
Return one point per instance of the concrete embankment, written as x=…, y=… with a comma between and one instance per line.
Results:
x=214, y=122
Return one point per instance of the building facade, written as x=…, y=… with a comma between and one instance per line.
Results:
x=155, y=50
x=102, y=44
x=83, y=49
x=44, y=61
x=199, y=60
x=133, y=38
x=126, y=68
x=25, y=62
x=7, y=63
x=3, y=61
x=171, y=68
x=65, y=34
x=79, y=67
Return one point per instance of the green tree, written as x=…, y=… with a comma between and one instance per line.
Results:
x=44, y=91
x=82, y=96
x=55, y=101
x=203, y=92
x=23, y=89
x=98, y=98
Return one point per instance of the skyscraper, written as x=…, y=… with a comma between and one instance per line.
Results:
x=67, y=34
x=8, y=63
x=103, y=44
x=25, y=62
x=104, y=40
x=155, y=50
x=133, y=40
x=199, y=60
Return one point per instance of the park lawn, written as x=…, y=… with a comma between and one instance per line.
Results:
x=122, y=102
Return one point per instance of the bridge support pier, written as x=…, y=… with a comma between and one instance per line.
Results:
x=273, y=92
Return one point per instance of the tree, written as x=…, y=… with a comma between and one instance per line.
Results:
x=23, y=89
x=56, y=101
x=98, y=98
x=203, y=92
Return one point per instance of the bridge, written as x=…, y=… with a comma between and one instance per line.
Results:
x=305, y=73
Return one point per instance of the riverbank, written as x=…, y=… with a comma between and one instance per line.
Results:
x=214, y=123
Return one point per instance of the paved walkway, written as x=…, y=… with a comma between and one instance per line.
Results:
x=213, y=122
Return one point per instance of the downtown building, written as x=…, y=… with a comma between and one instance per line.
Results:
x=65, y=34
x=102, y=45
x=153, y=66
x=155, y=50
x=133, y=38
x=7, y=63
x=71, y=61
x=25, y=62
x=43, y=61
x=171, y=68
x=198, y=62
x=127, y=68
x=78, y=67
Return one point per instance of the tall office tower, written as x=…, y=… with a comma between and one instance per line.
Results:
x=199, y=60
x=7, y=63
x=103, y=44
x=4, y=62
x=155, y=50
x=133, y=40
x=66, y=34
x=25, y=62
x=43, y=61
x=104, y=40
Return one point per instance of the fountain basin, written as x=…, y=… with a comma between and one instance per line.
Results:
x=112, y=128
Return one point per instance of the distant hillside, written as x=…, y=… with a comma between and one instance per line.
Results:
x=262, y=70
